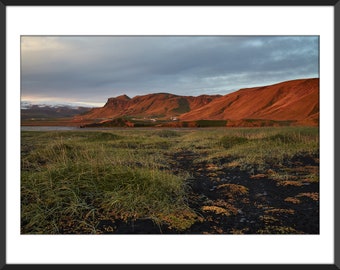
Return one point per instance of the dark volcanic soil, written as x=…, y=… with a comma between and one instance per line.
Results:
x=231, y=201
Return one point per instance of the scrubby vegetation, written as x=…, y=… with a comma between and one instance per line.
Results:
x=73, y=181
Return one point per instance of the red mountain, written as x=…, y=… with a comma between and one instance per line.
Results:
x=160, y=105
x=292, y=100
x=296, y=101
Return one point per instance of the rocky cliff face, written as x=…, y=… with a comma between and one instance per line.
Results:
x=294, y=101
x=160, y=105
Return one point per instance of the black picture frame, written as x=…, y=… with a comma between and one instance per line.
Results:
x=4, y=165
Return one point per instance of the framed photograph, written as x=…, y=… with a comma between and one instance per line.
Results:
x=170, y=135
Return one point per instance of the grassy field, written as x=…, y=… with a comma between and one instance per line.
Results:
x=72, y=181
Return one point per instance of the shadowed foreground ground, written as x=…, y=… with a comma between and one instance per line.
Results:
x=167, y=181
x=234, y=202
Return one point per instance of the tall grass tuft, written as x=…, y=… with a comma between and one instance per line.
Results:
x=68, y=186
x=230, y=141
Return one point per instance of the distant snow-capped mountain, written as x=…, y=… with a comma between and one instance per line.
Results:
x=45, y=111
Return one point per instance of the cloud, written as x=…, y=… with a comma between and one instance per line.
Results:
x=93, y=68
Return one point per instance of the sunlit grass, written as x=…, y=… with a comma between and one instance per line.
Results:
x=70, y=180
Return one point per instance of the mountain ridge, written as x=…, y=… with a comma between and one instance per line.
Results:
x=295, y=101
x=44, y=111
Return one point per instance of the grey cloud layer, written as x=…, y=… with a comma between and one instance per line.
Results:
x=95, y=68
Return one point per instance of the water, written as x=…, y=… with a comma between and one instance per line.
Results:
x=47, y=128
x=65, y=128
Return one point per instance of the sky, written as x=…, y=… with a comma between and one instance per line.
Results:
x=87, y=70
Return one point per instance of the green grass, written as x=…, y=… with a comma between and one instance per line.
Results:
x=166, y=133
x=82, y=177
x=211, y=123
x=230, y=141
x=258, y=146
x=183, y=106
x=70, y=180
